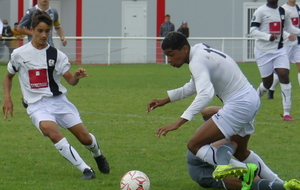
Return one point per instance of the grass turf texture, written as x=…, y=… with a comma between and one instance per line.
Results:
x=112, y=102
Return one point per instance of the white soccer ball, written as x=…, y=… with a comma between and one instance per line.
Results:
x=135, y=180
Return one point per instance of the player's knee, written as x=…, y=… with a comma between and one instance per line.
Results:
x=192, y=146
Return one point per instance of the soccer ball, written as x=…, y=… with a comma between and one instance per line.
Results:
x=135, y=180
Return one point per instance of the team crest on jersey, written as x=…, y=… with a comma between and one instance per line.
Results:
x=282, y=17
x=51, y=62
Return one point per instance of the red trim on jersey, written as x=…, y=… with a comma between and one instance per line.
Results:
x=20, y=9
x=78, y=30
x=160, y=18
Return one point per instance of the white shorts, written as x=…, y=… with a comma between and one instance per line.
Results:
x=237, y=115
x=58, y=109
x=268, y=61
x=293, y=53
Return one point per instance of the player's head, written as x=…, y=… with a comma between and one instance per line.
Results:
x=167, y=18
x=177, y=48
x=41, y=25
x=43, y=3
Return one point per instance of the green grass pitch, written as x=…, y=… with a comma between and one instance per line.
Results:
x=112, y=102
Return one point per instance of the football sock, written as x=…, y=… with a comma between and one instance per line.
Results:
x=224, y=154
x=94, y=147
x=286, y=92
x=207, y=154
x=68, y=152
x=275, y=82
x=261, y=90
x=299, y=78
x=263, y=170
x=264, y=184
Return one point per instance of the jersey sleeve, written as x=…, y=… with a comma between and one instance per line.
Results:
x=56, y=22
x=180, y=93
x=255, y=24
x=26, y=20
x=203, y=86
x=13, y=66
x=62, y=64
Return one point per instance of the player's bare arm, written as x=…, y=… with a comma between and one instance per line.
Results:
x=61, y=34
x=7, y=104
x=24, y=31
x=157, y=103
x=174, y=126
x=74, y=79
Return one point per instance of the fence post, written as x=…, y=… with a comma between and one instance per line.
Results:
x=108, y=51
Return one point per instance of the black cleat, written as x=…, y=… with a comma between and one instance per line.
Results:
x=88, y=174
x=102, y=163
x=271, y=94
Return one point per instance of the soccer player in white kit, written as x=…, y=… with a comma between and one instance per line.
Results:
x=290, y=42
x=213, y=73
x=267, y=27
x=40, y=67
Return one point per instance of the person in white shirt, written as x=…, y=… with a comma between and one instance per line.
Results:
x=290, y=42
x=40, y=67
x=213, y=73
x=1, y=28
x=267, y=26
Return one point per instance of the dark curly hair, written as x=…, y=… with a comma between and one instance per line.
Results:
x=174, y=40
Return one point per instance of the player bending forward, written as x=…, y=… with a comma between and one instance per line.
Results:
x=40, y=67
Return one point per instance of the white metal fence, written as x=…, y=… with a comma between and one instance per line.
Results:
x=137, y=50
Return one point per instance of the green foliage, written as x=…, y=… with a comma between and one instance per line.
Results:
x=112, y=102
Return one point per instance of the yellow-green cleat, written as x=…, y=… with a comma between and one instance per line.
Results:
x=293, y=184
x=223, y=171
x=248, y=178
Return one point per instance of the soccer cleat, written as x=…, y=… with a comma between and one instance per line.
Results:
x=293, y=184
x=248, y=177
x=271, y=94
x=288, y=118
x=88, y=174
x=102, y=163
x=223, y=171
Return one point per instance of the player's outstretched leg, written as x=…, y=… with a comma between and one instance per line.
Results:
x=88, y=174
x=223, y=171
x=248, y=178
x=100, y=159
x=293, y=184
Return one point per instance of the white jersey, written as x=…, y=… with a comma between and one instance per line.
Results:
x=293, y=13
x=267, y=21
x=39, y=71
x=213, y=72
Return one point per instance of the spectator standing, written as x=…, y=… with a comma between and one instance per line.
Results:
x=165, y=28
x=16, y=42
x=184, y=29
x=6, y=32
x=25, y=23
x=1, y=27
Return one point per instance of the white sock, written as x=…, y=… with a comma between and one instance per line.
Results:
x=207, y=153
x=275, y=82
x=261, y=90
x=264, y=171
x=286, y=92
x=68, y=152
x=94, y=147
x=299, y=78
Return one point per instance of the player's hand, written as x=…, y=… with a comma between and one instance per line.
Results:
x=7, y=108
x=273, y=37
x=157, y=103
x=80, y=73
x=63, y=41
x=292, y=37
x=164, y=130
